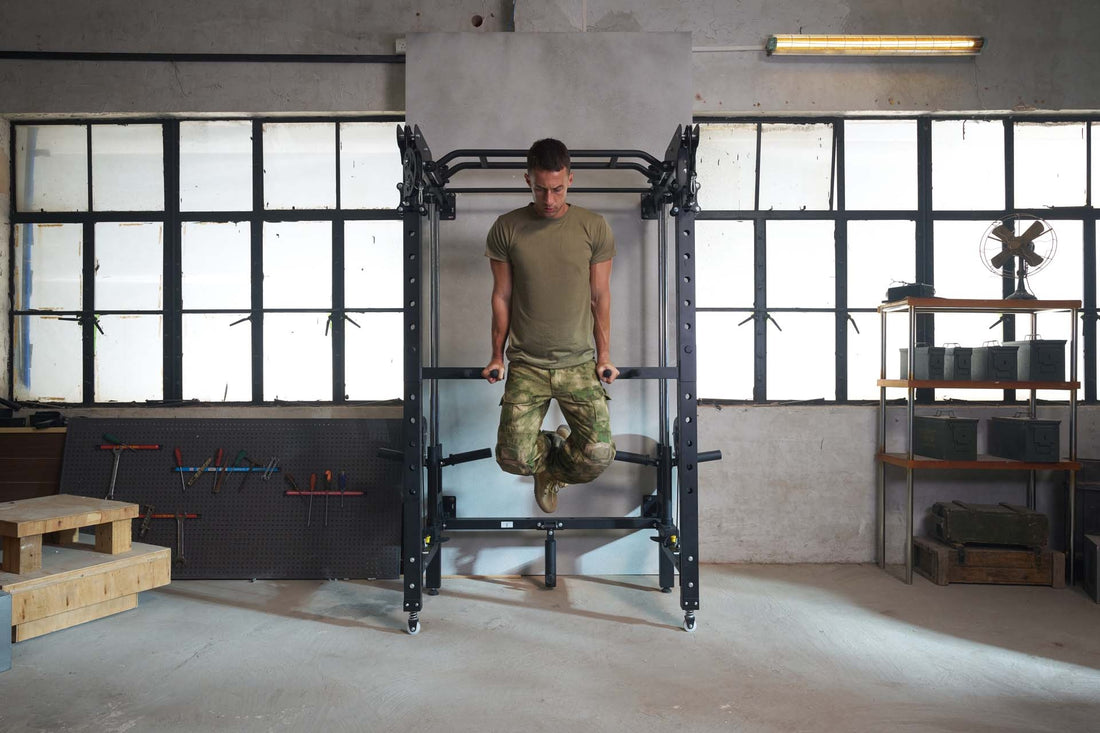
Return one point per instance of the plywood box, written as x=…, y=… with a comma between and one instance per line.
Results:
x=78, y=584
x=942, y=564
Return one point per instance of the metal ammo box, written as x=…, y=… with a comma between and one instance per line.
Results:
x=957, y=362
x=1040, y=360
x=1024, y=439
x=949, y=438
x=993, y=363
x=927, y=362
x=989, y=524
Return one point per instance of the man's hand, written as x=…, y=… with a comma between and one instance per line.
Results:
x=607, y=372
x=494, y=366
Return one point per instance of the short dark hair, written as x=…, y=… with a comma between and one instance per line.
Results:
x=548, y=154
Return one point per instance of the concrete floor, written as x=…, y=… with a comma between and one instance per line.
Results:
x=778, y=648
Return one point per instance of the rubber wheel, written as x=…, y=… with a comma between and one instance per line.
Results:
x=414, y=627
x=689, y=625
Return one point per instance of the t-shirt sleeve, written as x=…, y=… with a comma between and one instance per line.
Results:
x=603, y=241
x=496, y=243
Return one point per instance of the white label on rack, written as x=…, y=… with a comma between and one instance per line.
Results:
x=505, y=525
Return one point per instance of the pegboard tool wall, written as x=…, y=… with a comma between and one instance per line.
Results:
x=257, y=532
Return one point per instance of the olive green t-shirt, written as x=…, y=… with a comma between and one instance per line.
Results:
x=551, y=319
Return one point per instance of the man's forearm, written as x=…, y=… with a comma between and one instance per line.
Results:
x=499, y=328
x=601, y=328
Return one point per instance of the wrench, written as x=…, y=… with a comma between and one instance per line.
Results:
x=117, y=451
x=180, y=559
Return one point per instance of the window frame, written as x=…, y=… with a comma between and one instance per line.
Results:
x=173, y=219
x=923, y=217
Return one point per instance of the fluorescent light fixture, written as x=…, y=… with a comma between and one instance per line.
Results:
x=826, y=45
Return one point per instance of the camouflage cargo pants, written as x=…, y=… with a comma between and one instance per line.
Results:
x=522, y=447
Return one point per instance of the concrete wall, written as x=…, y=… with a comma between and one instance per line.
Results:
x=797, y=483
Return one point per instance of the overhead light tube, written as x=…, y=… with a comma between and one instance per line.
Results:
x=878, y=45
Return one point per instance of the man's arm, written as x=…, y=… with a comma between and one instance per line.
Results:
x=501, y=302
x=600, y=284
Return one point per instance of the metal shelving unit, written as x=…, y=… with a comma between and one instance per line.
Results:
x=912, y=307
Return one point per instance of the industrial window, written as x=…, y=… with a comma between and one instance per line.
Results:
x=806, y=223
x=247, y=261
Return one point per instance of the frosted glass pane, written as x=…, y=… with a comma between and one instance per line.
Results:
x=297, y=357
x=299, y=165
x=806, y=338
x=801, y=264
x=1050, y=163
x=129, y=359
x=968, y=164
x=796, y=165
x=49, y=366
x=48, y=265
x=1095, y=164
x=724, y=264
x=880, y=164
x=217, y=358
x=127, y=168
x=959, y=272
x=374, y=356
x=864, y=357
x=880, y=254
x=370, y=166
x=373, y=264
x=725, y=356
x=726, y=165
x=129, y=266
x=1062, y=277
x=216, y=166
x=216, y=265
x=298, y=264
x=51, y=168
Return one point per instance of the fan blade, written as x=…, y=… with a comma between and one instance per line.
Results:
x=1030, y=256
x=1003, y=233
x=1035, y=230
x=999, y=259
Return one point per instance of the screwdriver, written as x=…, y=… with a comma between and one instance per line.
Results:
x=218, y=475
x=179, y=465
x=343, y=481
x=312, y=488
x=328, y=490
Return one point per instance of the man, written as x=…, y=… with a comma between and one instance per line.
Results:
x=551, y=264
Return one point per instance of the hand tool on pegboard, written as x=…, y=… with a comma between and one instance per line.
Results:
x=199, y=471
x=248, y=470
x=219, y=474
x=270, y=468
x=179, y=465
x=328, y=490
x=147, y=515
x=312, y=488
x=342, y=480
x=116, y=447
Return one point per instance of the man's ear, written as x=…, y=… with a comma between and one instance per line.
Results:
x=570, y=178
x=527, y=178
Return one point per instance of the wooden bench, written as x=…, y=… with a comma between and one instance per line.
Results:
x=58, y=587
x=23, y=524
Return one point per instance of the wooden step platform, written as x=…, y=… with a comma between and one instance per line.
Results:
x=54, y=587
x=943, y=564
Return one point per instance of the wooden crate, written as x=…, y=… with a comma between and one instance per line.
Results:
x=54, y=587
x=942, y=564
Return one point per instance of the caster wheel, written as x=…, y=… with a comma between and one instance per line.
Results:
x=413, y=627
x=689, y=624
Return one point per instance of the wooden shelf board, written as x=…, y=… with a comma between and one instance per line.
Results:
x=951, y=384
x=931, y=305
x=984, y=463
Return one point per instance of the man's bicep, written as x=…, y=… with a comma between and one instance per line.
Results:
x=502, y=278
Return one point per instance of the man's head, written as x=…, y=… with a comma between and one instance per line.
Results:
x=549, y=177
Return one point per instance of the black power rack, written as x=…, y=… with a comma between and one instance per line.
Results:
x=673, y=511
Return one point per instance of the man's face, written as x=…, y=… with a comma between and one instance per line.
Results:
x=549, y=189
